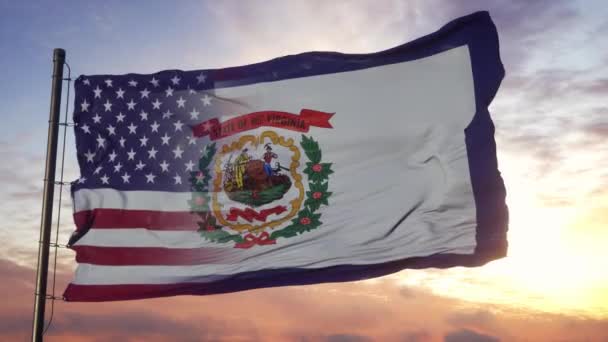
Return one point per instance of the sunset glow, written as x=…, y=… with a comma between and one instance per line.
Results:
x=551, y=119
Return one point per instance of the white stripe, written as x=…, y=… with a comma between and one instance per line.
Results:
x=89, y=199
x=141, y=237
x=87, y=274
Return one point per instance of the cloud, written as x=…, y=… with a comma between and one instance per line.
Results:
x=347, y=338
x=355, y=311
x=466, y=335
x=478, y=318
x=415, y=336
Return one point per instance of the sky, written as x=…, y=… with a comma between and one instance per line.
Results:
x=551, y=118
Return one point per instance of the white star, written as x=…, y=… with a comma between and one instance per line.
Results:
x=191, y=140
x=145, y=93
x=96, y=118
x=84, y=106
x=120, y=93
x=178, y=152
x=108, y=106
x=125, y=178
x=97, y=92
x=140, y=166
x=207, y=126
x=105, y=179
x=155, y=126
x=97, y=170
x=169, y=91
x=122, y=141
x=150, y=178
x=206, y=100
x=178, y=125
x=144, y=141
x=81, y=180
x=120, y=117
x=132, y=83
x=131, y=154
x=164, y=166
x=201, y=78
x=180, y=102
x=189, y=165
x=86, y=129
x=101, y=141
x=167, y=114
x=87, y=82
x=132, y=128
x=194, y=114
x=112, y=156
x=154, y=82
x=111, y=130
x=108, y=83
x=175, y=80
x=144, y=116
x=131, y=105
x=90, y=155
x=191, y=91
x=178, y=179
x=156, y=104
x=117, y=167
x=152, y=153
x=200, y=177
x=165, y=139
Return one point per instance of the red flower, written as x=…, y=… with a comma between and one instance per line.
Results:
x=317, y=168
x=317, y=195
x=305, y=221
x=199, y=201
x=210, y=228
x=254, y=194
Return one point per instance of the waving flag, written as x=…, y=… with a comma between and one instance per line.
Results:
x=309, y=168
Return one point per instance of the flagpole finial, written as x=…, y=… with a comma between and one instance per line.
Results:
x=58, y=53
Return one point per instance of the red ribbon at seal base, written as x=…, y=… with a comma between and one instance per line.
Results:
x=296, y=122
x=252, y=240
x=250, y=214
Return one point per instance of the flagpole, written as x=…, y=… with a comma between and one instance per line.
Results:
x=47, y=199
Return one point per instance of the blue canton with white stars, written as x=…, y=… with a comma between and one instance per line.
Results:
x=133, y=132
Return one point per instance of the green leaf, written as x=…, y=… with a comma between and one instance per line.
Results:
x=311, y=149
x=220, y=236
x=312, y=203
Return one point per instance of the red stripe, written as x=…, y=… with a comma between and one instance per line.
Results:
x=157, y=256
x=149, y=219
x=103, y=293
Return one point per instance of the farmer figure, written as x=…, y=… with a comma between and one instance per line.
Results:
x=240, y=167
x=268, y=156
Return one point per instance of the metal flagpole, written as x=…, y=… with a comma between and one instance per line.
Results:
x=47, y=199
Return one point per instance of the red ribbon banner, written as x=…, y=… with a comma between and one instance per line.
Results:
x=295, y=122
x=251, y=214
x=252, y=240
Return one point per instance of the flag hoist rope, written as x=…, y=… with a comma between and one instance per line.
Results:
x=44, y=243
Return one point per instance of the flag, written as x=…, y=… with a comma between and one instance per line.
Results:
x=309, y=168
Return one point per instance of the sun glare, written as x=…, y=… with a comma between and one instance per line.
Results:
x=548, y=268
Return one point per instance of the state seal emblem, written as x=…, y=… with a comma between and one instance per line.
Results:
x=254, y=189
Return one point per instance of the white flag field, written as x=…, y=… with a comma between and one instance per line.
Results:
x=309, y=168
